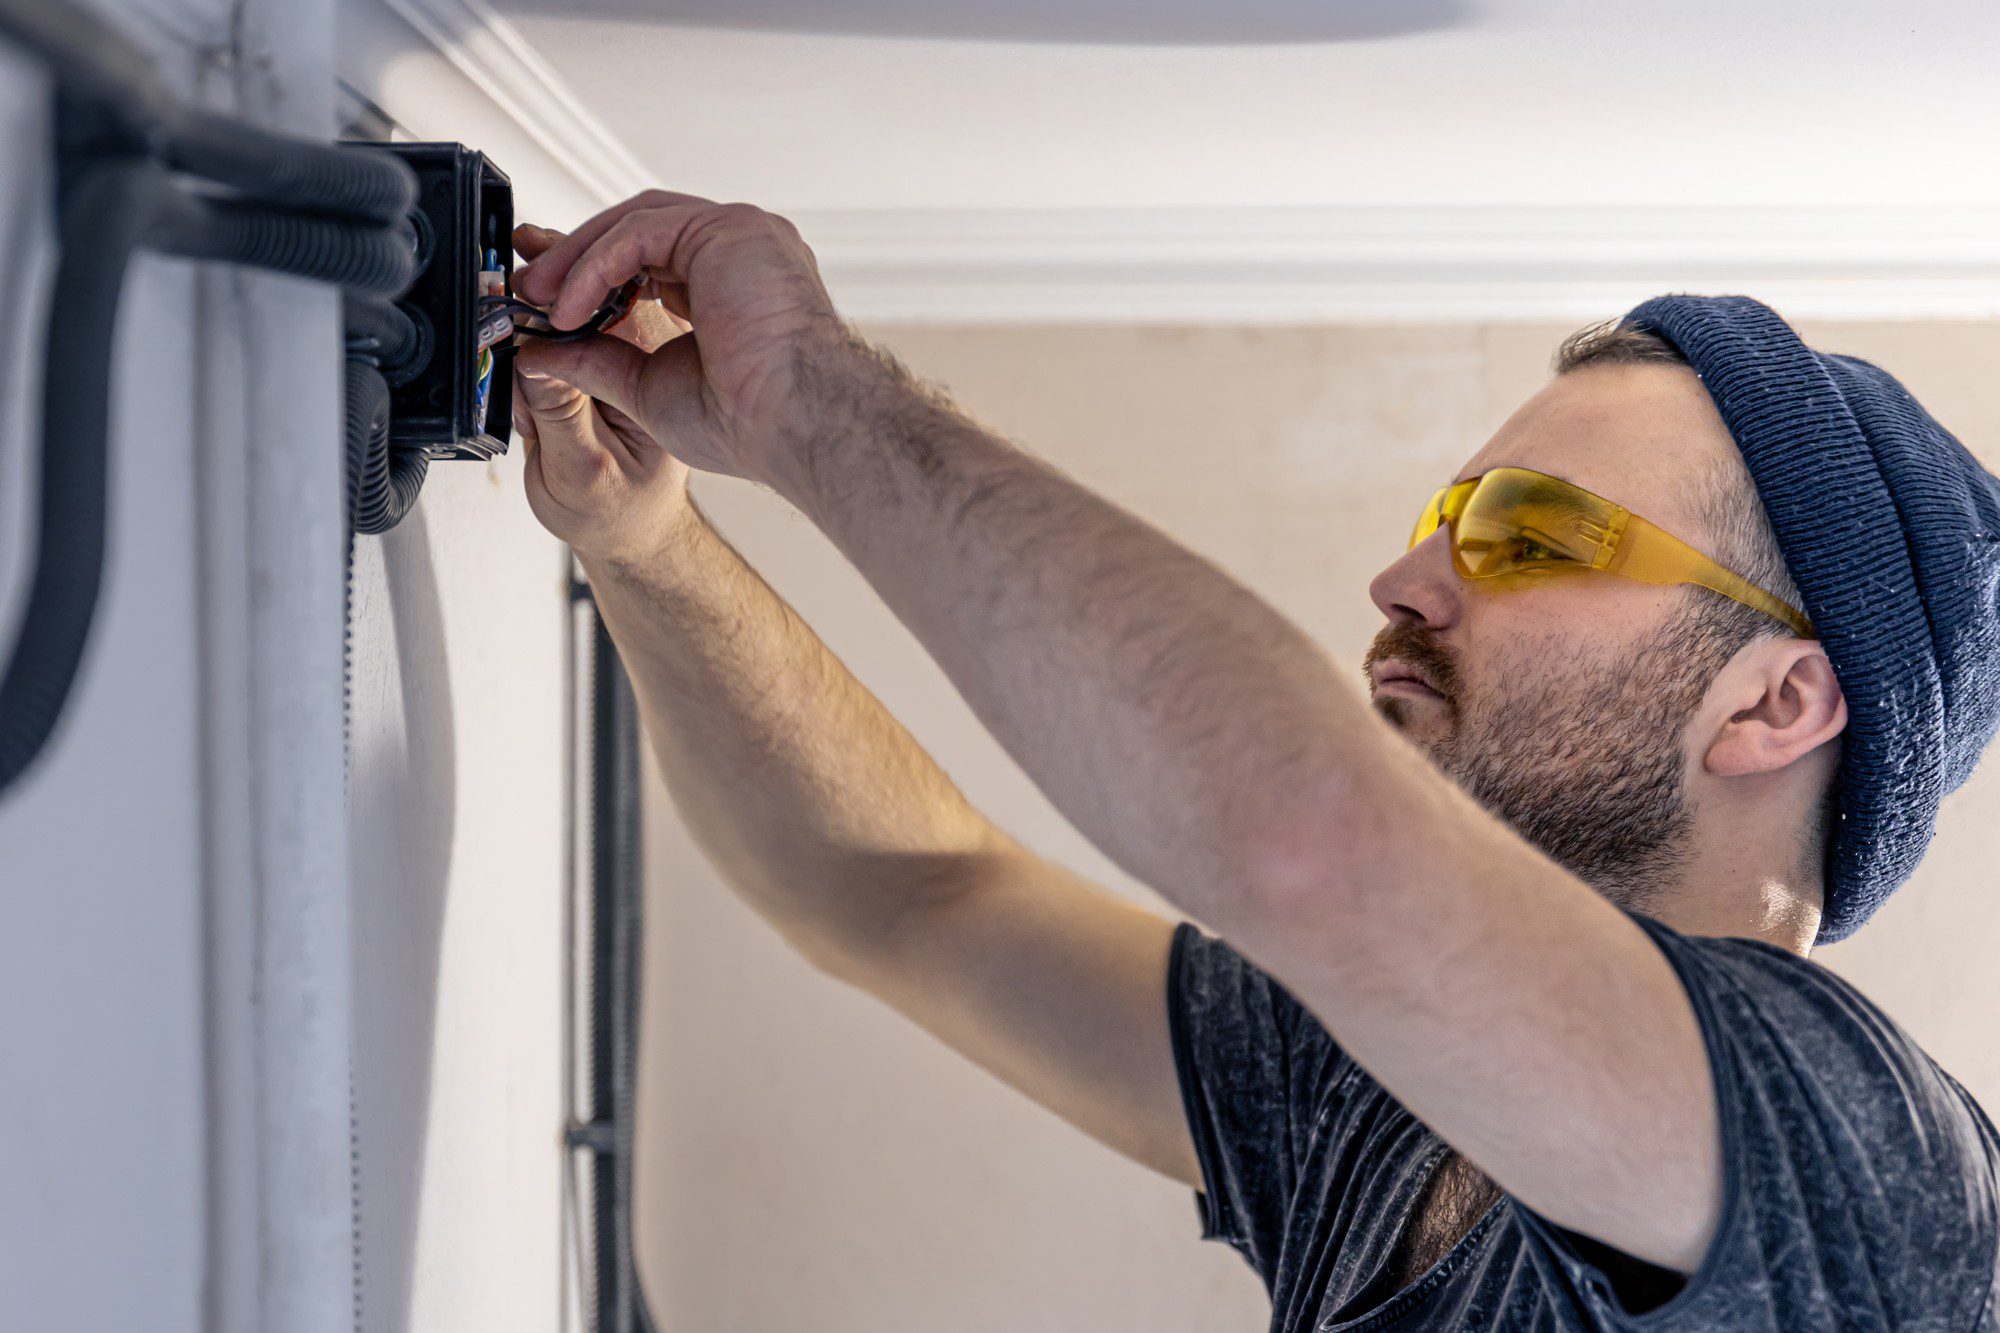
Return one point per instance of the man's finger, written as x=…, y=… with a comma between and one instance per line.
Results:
x=643, y=241
x=544, y=278
x=545, y=397
x=601, y=367
x=530, y=241
x=524, y=417
x=658, y=314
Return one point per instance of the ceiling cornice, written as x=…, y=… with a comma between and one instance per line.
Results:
x=1285, y=266
x=492, y=53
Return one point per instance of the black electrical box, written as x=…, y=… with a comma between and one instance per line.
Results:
x=459, y=404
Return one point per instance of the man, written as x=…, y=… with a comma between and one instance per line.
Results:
x=1514, y=1028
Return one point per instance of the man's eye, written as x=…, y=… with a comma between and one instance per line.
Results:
x=1530, y=551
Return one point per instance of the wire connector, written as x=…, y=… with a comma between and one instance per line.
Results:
x=597, y=1136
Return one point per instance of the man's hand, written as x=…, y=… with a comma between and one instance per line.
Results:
x=731, y=397
x=595, y=478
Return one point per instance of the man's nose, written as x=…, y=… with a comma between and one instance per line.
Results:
x=1421, y=587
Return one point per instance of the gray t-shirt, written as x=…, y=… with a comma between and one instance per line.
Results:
x=1861, y=1183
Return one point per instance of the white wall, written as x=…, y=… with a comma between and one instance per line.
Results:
x=458, y=835
x=456, y=821
x=177, y=870
x=100, y=958
x=155, y=859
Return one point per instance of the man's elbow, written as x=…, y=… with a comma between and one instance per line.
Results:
x=1310, y=861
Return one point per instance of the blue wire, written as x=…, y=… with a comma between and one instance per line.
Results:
x=486, y=354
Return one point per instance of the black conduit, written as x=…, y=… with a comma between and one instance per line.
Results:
x=371, y=257
x=617, y=1304
x=384, y=345
x=104, y=217
x=386, y=336
x=106, y=214
x=118, y=134
x=290, y=173
x=382, y=483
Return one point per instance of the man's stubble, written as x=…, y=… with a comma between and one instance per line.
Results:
x=1583, y=756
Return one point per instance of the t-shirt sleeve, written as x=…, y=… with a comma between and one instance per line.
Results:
x=1859, y=1179
x=1254, y=1067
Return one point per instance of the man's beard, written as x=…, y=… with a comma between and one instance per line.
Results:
x=1582, y=757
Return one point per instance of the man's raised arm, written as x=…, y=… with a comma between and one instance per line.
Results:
x=1192, y=733
x=823, y=813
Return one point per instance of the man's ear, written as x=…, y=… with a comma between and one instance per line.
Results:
x=1779, y=700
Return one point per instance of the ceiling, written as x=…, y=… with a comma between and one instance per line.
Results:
x=1124, y=22
x=1174, y=104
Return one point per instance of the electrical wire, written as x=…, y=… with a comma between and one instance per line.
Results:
x=615, y=307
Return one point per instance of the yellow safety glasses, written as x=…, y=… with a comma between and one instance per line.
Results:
x=1515, y=521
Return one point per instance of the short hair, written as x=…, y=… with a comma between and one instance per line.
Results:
x=1728, y=506
x=1740, y=534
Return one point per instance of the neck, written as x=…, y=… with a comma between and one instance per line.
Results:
x=1755, y=869
x=1769, y=909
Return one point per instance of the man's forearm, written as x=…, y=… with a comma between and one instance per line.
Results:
x=1179, y=721
x=819, y=808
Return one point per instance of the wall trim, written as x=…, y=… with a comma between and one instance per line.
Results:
x=1300, y=266
x=1262, y=265
x=492, y=53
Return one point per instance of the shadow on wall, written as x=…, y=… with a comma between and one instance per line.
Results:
x=1186, y=22
x=403, y=810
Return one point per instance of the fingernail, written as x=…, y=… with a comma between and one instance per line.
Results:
x=528, y=373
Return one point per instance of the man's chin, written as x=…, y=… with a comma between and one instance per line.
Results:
x=1419, y=722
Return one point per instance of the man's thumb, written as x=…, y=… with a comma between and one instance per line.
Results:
x=606, y=368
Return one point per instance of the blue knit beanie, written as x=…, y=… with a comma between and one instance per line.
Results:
x=1891, y=529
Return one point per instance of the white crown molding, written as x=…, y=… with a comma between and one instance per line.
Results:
x=489, y=51
x=1261, y=265
x=1302, y=266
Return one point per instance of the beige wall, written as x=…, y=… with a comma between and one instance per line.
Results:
x=809, y=1159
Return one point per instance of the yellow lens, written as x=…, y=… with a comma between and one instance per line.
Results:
x=1513, y=520
x=1516, y=521
x=1427, y=522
